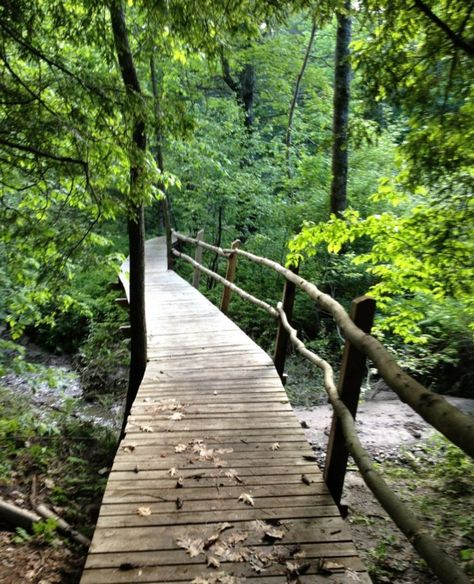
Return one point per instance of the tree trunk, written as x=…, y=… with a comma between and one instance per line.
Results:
x=294, y=100
x=342, y=81
x=244, y=88
x=136, y=222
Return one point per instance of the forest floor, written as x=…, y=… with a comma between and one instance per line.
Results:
x=433, y=478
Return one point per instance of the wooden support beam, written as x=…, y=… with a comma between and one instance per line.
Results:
x=230, y=275
x=123, y=303
x=115, y=285
x=198, y=259
x=351, y=375
x=126, y=331
x=281, y=343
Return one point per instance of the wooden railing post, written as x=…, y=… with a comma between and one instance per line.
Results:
x=198, y=259
x=230, y=275
x=352, y=373
x=281, y=343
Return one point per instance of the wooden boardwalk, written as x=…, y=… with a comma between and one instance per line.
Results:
x=214, y=468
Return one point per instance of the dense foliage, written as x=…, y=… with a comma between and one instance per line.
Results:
x=237, y=104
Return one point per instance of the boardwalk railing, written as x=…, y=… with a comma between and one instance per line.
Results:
x=355, y=327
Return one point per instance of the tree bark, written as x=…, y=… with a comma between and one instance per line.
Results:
x=136, y=221
x=244, y=88
x=342, y=82
x=294, y=101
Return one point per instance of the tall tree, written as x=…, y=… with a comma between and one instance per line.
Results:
x=136, y=222
x=342, y=83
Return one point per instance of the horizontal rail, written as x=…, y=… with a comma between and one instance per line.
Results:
x=242, y=293
x=442, y=565
x=439, y=413
x=203, y=244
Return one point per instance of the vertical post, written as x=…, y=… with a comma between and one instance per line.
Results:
x=352, y=373
x=168, y=232
x=230, y=275
x=198, y=259
x=282, y=336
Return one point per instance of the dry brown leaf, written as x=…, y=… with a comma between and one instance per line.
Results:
x=206, y=453
x=144, y=511
x=172, y=472
x=306, y=480
x=194, y=546
x=275, y=446
x=224, y=450
x=237, y=537
x=211, y=540
x=247, y=499
x=232, y=474
x=217, y=578
x=128, y=448
x=272, y=532
x=146, y=428
x=176, y=416
x=212, y=562
x=180, y=483
x=331, y=566
x=180, y=448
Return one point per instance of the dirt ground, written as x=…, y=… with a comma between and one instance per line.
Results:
x=394, y=435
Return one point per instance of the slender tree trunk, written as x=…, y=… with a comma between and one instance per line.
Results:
x=342, y=81
x=294, y=101
x=136, y=222
x=244, y=88
x=165, y=205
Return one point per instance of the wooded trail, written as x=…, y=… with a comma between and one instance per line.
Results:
x=214, y=480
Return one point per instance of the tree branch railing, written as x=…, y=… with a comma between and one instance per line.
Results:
x=447, y=419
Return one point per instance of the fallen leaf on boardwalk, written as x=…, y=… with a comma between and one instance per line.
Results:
x=180, y=483
x=180, y=448
x=232, y=474
x=274, y=533
x=206, y=453
x=352, y=575
x=218, y=578
x=328, y=567
x=144, y=511
x=275, y=446
x=224, y=450
x=306, y=480
x=294, y=569
x=194, y=547
x=176, y=416
x=126, y=566
x=172, y=472
x=146, y=428
x=211, y=540
x=128, y=448
x=213, y=562
x=179, y=503
x=247, y=499
x=267, y=530
x=237, y=537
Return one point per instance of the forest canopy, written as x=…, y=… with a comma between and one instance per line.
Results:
x=245, y=116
